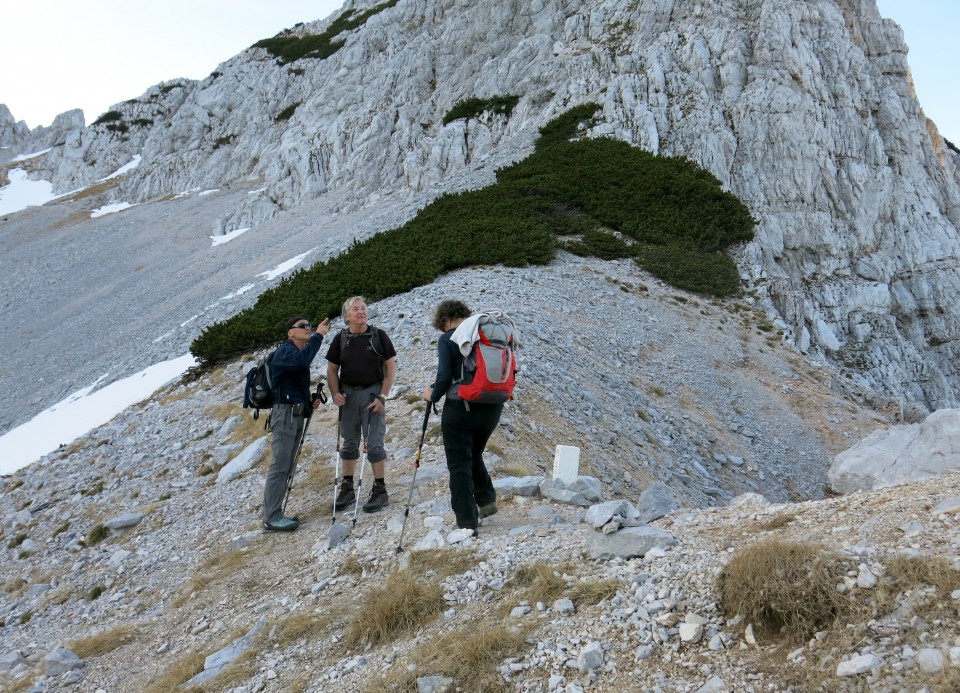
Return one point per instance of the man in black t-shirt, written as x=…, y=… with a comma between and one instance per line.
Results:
x=361, y=367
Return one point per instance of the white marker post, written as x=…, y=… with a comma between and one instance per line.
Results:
x=566, y=463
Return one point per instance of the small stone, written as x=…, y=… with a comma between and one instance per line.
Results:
x=865, y=578
x=858, y=665
x=642, y=653
x=691, y=632
x=930, y=661
x=591, y=657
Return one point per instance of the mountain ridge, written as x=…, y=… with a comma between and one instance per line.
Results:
x=805, y=110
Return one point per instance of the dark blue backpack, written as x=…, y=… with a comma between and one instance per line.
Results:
x=259, y=391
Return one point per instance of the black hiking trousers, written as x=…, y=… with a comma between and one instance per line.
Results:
x=465, y=435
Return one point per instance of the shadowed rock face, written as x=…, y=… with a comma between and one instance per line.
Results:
x=805, y=110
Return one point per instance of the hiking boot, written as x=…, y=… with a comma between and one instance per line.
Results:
x=284, y=524
x=487, y=510
x=378, y=499
x=345, y=496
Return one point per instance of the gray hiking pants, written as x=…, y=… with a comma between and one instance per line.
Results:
x=358, y=420
x=286, y=429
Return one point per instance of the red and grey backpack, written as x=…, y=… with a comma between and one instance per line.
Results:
x=489, y=370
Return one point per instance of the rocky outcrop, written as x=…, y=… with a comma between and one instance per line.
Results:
x=805, y=110
x=899, y=454
x=10, y=130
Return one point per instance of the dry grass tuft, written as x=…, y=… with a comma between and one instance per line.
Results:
x=237, y=673
x=15, y=586
x=512, y=470
x=470, y=656
x=931, y=573
x=590, y=592
x=777, y=522
x=319, y=476
x=786, y=589
x=102, y=643
x=905, y=572
x=300, y=625
x=178, y=673
x=403, y=604
x=542, y=581
x=218, y=566
x=441, y=563
x=351, y=566
x=177, y=394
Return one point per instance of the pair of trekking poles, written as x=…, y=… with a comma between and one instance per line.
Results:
x=365, y=429
x=365, y=433
x=413, y=481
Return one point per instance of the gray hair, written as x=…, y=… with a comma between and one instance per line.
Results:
x=349, y=304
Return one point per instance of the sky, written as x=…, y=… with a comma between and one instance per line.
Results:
x=62, y=54
x=58, y=55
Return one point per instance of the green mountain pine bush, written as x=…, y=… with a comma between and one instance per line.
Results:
x=286, y=48
x=597, y=197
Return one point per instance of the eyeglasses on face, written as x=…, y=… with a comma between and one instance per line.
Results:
x=303, y=326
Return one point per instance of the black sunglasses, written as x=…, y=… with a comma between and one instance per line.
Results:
x=303, y=326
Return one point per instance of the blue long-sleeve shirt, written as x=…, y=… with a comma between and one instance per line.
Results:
x=291, y=370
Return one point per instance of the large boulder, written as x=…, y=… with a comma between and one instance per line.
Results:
x=901, y=453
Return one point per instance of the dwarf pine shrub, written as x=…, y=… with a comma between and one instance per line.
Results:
x=108, y=117
x=596, y=196
x=287, y=48
x=474, y=107
x=287, y=112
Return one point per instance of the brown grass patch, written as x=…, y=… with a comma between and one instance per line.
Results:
x=931, y=579
x=542, y=582
x=470, y=656
x=776, y=522
x=178, y=673
x=177, y=395
x=590, y=592
x=297, y=626
x=73, y=219
x=101, y=643
x=441, y=563
x=512, y=470
x=403, y=604
x=92, y=190
x=351, y=566
x=785, y=589
x=217, y=567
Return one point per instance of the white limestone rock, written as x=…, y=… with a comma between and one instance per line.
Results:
x=902, y=453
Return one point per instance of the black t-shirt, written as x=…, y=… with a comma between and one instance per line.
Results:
x=359, y=363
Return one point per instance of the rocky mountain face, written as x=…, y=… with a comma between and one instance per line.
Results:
x=805, y=110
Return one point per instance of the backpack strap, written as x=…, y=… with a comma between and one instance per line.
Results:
x=375, y=344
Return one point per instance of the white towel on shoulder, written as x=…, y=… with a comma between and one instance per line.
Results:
x=469, y=330
x=467, y=333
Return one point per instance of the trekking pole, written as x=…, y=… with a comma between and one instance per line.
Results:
x=336, y=468
x=416, y=466
x=365, y=433
x=319, y=394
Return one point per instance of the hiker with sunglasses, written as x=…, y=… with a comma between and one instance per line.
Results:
x=290, y=369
